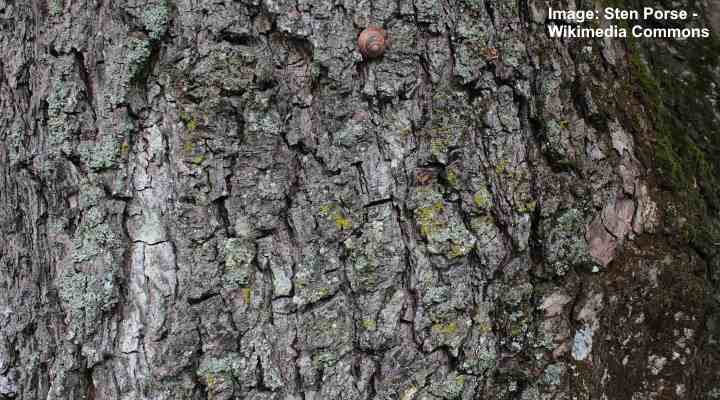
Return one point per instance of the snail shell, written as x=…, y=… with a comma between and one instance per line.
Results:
x=372, y=42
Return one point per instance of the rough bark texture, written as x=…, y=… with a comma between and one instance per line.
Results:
x=223, y=200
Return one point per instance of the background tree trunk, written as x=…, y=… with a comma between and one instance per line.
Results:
x=222, y=199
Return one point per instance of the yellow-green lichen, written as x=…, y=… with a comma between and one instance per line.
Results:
x=527, y=208
x=481, y=199
x=325, y=209
x=459, y=249
x=342, y=223
x=198, y=159
x=369, y=324
x=501, y=166
x=452, y=177
x=335, y=213
x=124, y=149
x=188, y=120
x=322, y=292
x=445, y=329
x=485, y=328
x=246, y=294
x=188, y=147
x=55, y=7
x=428, y=218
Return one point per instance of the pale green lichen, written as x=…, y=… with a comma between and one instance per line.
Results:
x=55, y=7
x=553, y=374
x=566, y=246
x=213, y=369
x=435, y=294
x=239, y=255
x=57, y=120
x=86, y=296
x=138, y=53
x=475, y=4
x=155, y=19
x=443, y=228
x=324, y=359
x=102, y=155
x=94, y=237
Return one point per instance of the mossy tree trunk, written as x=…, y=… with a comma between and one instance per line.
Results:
x=222, y=199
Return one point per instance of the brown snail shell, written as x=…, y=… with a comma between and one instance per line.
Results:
x=372, y=42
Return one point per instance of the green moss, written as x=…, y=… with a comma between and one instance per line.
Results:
x=677, y=103
x=675, y=97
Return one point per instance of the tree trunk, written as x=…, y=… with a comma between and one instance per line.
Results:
x=225, y=200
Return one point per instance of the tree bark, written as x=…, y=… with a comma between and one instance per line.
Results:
x=225, y=200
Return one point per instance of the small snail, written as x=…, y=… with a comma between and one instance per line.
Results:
x=372, y=42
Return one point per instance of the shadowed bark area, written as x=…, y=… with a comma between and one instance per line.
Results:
x=225, y=200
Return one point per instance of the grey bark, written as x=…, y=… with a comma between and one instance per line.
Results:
x=223, y=200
